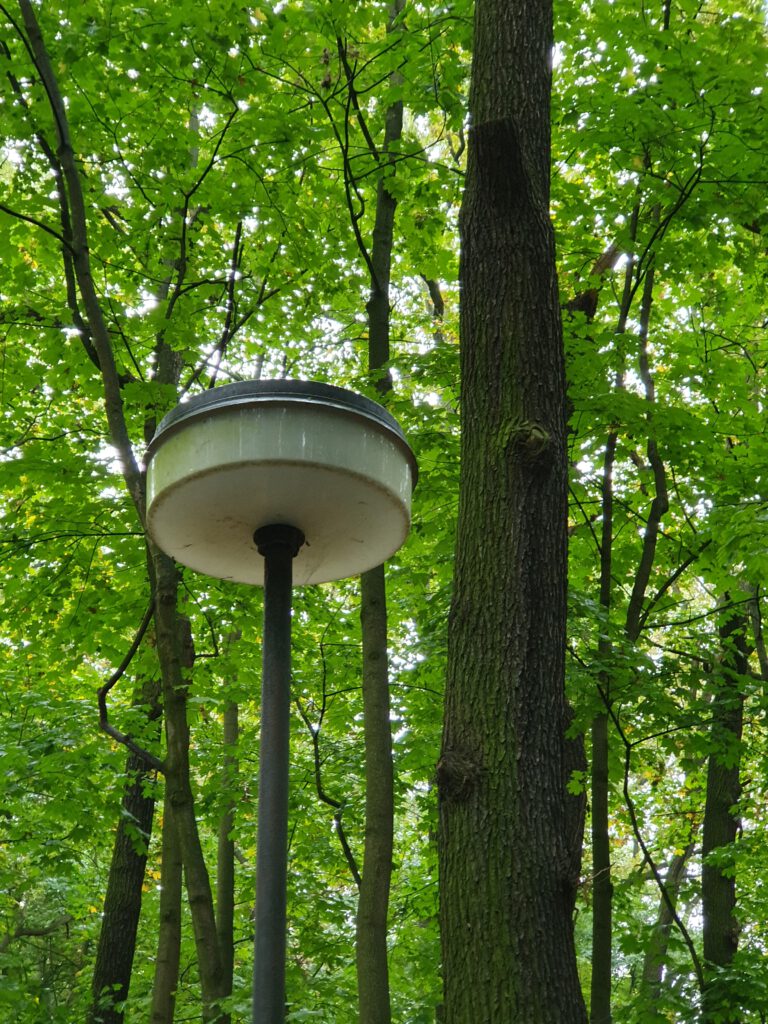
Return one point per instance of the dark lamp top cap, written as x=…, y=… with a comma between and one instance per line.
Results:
x=287, y=392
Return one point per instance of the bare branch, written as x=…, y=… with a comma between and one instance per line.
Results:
x=670, y=582
x=24, y=931
x=104, y=724
x=349, y=73
x=33, y=220
x=647, y=853
x=660, y=503
x=337, y=805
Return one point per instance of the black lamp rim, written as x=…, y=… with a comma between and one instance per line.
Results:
x=257, y=392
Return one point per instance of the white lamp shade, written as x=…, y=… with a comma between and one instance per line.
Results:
x=258, y=453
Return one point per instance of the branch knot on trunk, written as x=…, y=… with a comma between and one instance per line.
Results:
x=458, y=773
x=530, y=443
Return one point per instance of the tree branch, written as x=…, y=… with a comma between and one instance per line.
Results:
x=104, y=724
x=349, y=74
x=647, y=853
x=670, y=582
x=756, y=620
x=660, y=503
x=337, y=805
x=111, y=381
x=23, y=931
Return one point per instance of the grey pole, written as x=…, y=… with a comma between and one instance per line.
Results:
x=279, y=545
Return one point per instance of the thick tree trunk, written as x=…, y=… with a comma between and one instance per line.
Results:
x=721, y=824
x=122, y=902
x=169, y=933
x=506, y=869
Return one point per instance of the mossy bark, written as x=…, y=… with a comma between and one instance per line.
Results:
x=505, y=854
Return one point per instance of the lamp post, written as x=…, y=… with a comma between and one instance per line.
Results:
x=271, y=483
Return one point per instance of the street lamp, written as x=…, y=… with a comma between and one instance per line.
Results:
x=271, y=483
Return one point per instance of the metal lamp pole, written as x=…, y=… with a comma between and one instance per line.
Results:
x=253, y=452
x=279, y=545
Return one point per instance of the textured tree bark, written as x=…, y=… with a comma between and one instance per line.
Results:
x=122, y=902
x=721, y=823
x=166, y=978
x=506, y=869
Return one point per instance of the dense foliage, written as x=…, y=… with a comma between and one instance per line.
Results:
x=229, y=158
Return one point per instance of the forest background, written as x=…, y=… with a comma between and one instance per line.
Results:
x=274, y=191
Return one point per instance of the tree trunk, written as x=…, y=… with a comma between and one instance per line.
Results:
x=373, y=901
x=162, y=569
x=602, y=887
x=656, y=951
x=225, y=874
x=179, y=789
x=721, y=823
x=602, y=901
x=169, y=934
x=506, y=869
x=122, y=902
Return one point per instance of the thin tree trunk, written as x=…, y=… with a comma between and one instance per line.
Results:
x=586, y=302
x=162, y=569
x=373, y=900
x=505, y=857
x=225, y=874
x=179, y=790
x=721, y=823
x=169, y=933
x=122, y=902
x=602, y=905
x=602, y=886
x=656, y=951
